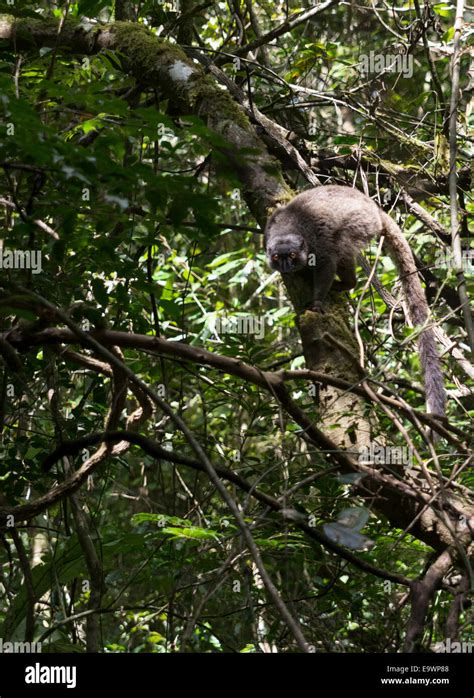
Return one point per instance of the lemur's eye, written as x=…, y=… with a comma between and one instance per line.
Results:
x=292, y=255
x=275, y=257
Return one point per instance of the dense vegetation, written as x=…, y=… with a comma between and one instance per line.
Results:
x=226, y=509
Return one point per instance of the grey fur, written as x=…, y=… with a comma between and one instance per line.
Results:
x=325, y=228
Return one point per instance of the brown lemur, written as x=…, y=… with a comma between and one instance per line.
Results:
x=324, y=229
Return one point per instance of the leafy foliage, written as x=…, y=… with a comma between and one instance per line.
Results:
x=147, y=232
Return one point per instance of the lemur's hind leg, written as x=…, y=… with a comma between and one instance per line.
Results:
x=323, y=280
x=346, y=271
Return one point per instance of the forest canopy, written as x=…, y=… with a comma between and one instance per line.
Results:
x=191, y=459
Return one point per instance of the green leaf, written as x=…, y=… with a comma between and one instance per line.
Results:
x=91, y=7
x=347, y=537
x=355, y=517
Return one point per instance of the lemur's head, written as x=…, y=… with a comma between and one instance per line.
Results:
x=286, y=250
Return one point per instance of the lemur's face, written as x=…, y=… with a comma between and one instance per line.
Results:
x=287, y=253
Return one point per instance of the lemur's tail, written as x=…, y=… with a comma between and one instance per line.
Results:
x=419, y=313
